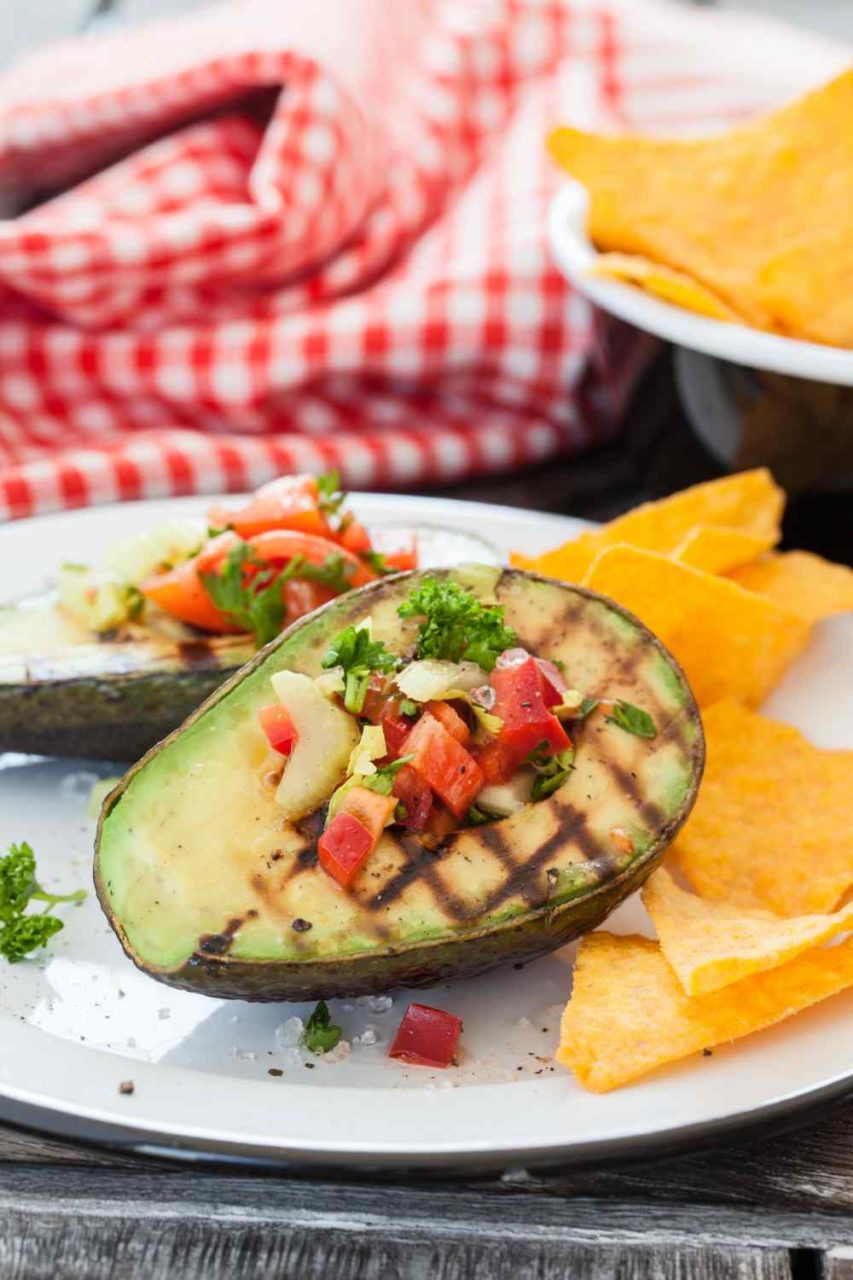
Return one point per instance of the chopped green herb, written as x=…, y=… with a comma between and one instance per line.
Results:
x=408, y=707
x=478, y=817
x=354, y=651
x=253, y=604
x=376, y=561
x=335, y=572
x=456, y=625
x=585, y=709
x=383, y=779
x=213, y=531
x=401, y=813
x=331, y=496
x=135, y=603
x=551, y=771
x=19, y=933
x=320, y=1033
x=633, y=720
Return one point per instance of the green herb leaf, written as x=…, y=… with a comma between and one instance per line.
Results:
x=383, y=779
x=253, y=604
x=358, y=655
x=551, y=771
x=633, y=720
x=585, y=709
x=456, y=625
x=408, y=707
x=330, y=493
x=335, y=572
x=320, y=1033
x=19, y=933
x=478, y=817
x=376, y=561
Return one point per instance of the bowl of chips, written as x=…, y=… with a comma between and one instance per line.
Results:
x=737, y=244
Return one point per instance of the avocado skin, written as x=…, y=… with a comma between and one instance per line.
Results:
x=212, y=971
x=101, y=718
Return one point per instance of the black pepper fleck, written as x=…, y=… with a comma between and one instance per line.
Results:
x=127, y=1087
x=275, y=1071
x=301, y=926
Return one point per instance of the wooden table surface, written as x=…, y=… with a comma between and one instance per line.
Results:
x=766, y=1206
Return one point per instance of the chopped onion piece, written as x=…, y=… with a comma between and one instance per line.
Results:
x=512, y=658
x=506, y=798
x=331, y=682
x=427, y=679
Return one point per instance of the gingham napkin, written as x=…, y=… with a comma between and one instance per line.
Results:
x=305, y=235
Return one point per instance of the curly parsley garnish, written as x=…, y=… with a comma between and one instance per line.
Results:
x=633, y=720
x=354, y=651
x=19, y=933
x=320, y=1033
x=456, y=625
x=253, y=601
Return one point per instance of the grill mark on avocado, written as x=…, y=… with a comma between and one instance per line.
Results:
x=521, y=881
x=217, y=944
x=651, y=813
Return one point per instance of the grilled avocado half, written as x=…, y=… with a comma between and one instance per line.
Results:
x=66, y=692
x=209, y=889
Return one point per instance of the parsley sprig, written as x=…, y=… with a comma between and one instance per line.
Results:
x=254, y=601
x=456, y=625
x=320, y=1033
x=21, y=934
x=354, y=651
x=383, y=779
x=331, y=496
x=633, y=720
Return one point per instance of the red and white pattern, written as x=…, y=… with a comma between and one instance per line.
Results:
x=314, y=236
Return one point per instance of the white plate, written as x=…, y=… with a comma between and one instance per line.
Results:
x=76, y=1024
x=574, y=252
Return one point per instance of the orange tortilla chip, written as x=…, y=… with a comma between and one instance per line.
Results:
x=711, y=944
x=758, y=216
x=716, y=549
x=800, y=582
x=628, y=1013
x=730, y=642
x=771, y=826
x=664, y=282
x=749, y=501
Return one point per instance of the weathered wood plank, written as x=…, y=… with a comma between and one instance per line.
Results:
x=417, y=1215
x=838, y=1265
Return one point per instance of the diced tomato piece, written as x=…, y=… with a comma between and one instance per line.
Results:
x=283, y=544
x=289, y=502
x=180, y=591
x=496, y=759
x=451, y=719
x=426, y=1037
x=444, y=764
x=374, y=811
x=355, y=537
x=398, y=546
x=279, y=728
x=301, y=597
x=553, y=684
x=344, y=847
x=527, y=722
x=411, y=790
x=383, y=708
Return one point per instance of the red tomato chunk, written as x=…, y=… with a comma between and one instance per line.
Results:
x=411, y=790
x=344, y=847
x=427, y=1037
x=279, y=728
x=527, y=722
x=444, y=764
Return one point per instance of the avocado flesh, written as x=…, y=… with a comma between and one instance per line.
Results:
x=64, y=692
x=202, y=879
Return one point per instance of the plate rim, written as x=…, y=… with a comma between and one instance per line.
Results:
x=738, y=343
x=112, y=1121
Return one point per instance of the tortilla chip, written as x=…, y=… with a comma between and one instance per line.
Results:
x=628, y=1013
x=730, y=642
x=771, y=826
x=664, y=282
x=711, y=944
x=800, y=582
x=749, y=501
x=758, y=216
x=718, y=550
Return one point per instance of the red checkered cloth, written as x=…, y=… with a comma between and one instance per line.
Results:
x=312, y=235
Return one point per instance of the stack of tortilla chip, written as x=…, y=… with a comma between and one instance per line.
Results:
x=752, y=224
x=755, y=895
